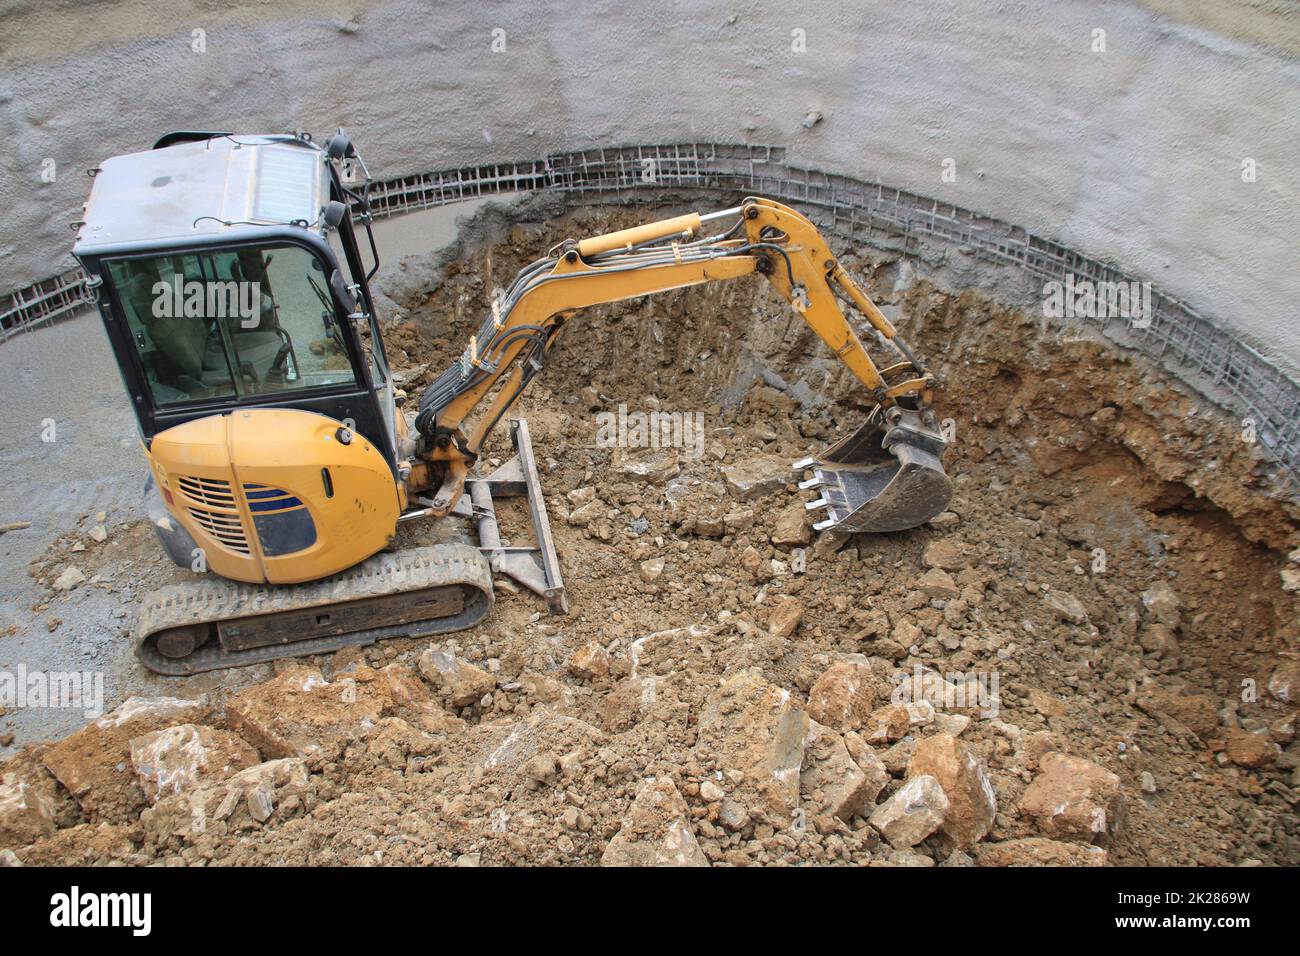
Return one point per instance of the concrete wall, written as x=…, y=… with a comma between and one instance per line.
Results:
x=1134, y=154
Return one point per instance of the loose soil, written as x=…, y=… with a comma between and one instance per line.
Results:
x=1078, y=469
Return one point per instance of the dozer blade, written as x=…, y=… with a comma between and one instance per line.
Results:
x=535, y=566
x=886, y=476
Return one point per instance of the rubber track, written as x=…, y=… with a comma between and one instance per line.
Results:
x=385, y=574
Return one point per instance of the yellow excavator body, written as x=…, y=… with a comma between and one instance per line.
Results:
x=276, y=495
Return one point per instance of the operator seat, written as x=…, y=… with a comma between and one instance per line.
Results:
x=258, y=343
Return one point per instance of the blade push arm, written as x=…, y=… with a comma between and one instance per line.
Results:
x=514, y=342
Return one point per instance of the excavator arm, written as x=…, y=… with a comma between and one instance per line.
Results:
x=885, y=476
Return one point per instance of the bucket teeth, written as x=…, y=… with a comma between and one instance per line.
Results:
x=880, y=478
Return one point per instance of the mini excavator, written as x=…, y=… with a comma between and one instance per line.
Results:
x=232, y=280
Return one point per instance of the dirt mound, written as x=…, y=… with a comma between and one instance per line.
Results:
x=1098, y=627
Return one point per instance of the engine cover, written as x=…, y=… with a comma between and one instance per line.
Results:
x=273, y=495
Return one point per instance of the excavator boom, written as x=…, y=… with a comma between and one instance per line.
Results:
x=886, y=476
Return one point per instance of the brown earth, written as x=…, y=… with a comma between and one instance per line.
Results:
x=1112, y=557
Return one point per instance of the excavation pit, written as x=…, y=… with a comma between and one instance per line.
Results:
x=1111, y=566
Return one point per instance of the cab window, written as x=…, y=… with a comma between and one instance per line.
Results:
x=231, y=323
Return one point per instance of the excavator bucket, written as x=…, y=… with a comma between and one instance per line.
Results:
x=886, y=476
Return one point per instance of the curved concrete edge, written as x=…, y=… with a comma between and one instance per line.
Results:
x=1209, y=357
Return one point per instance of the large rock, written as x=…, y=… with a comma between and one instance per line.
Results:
x=404, y=688
x=299, y=712
x=94, y=764
x=24, y=816
x=69, y=579
x=654, y=466
x=915, y=811
x=1198, y=713
x=27, y=767
x=1162, y=604
x=1074, y=799
x=589, y=662
x=1158, y=639
x=1290, y=579
x=394, y=742
x=1066, y=606
x=688, y=498
x=1036, y=851
x=972, y=805
x=1284, y=682
x=412, y=699
x=786, y=614
x=946, y=553
x=458, y=682
x=656, y=831
x=509, y=749
x=280, y=788
x=844, y=696
x=1249, y=750
x=887, y=724
x=663, y=651
x=180, y=758
x=792, y=529
x=588, y=513
x=938, y=583
x=706, y=525
x=755, y=729
x=831, y=781
x=756, y=477
x=974, y=697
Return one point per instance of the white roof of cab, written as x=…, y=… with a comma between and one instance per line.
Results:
x=200, y=191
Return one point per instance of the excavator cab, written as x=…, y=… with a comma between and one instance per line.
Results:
x=235, y=294
x=261, y=299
